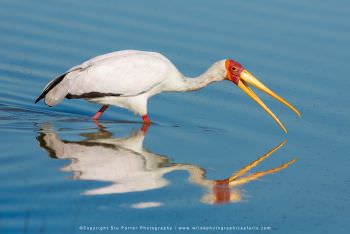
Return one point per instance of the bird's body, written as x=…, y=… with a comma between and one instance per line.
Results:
x=129, y=78
x=124, y=78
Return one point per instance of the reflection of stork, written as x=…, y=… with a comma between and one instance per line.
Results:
x=222, y=191
x=130, y=168
x=101, y=157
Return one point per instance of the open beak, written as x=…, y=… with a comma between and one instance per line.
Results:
x=247, y=78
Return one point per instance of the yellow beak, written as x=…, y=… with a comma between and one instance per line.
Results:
x=245, y=78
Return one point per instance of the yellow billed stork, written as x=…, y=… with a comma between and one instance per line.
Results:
x=129, y=78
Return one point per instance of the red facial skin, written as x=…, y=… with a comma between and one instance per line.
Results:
x=234, y=70
x=221, y=190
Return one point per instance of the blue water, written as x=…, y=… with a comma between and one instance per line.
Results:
x=60, y=172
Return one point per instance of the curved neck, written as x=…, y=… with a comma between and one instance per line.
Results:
x=211, y=75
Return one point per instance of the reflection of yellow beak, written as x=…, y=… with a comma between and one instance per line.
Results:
x=245, y=78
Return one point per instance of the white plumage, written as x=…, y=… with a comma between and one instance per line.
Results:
x=129, y=78
x=128, y=73
x=123, y=78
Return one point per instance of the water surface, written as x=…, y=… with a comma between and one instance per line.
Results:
x=211, y=158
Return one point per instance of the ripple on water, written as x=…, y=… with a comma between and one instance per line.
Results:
x=298, y=48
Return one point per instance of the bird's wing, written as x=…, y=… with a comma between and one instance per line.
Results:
x=122, y=73
x=113, y=55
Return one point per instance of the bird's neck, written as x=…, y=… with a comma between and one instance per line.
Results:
x=195, y=83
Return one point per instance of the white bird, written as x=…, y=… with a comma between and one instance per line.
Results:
x=102, y=157
x=129, y=78
x=125, y=166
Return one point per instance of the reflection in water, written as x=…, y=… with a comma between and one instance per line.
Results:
x=130, y=168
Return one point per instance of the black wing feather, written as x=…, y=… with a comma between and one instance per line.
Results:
x=51, y=86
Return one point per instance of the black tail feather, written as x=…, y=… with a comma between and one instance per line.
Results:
x=43, y=144
x=50, y=86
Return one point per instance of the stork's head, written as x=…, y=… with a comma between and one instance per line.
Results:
x=241, y=77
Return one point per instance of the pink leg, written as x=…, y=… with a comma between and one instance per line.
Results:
x=144, y=128
x=146, y=123
x=100, y=112
x=98, y=124
x=146, y=120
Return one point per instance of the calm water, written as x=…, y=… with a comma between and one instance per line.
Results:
x=60, y=171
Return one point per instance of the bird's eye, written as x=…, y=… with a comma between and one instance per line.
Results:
x=233, y=68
